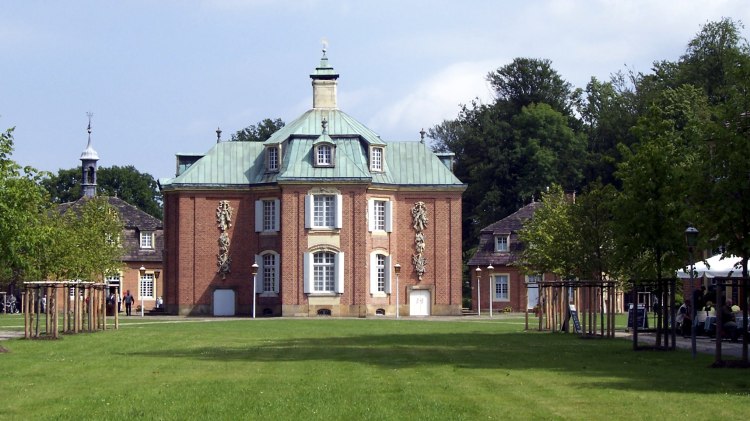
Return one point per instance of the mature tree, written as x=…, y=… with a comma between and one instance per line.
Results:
x=127, y=183
x=258, y=133
x=608, y=112
x=527, y=81
x=511, y=150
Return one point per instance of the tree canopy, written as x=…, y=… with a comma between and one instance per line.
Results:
x=258, y=132
x=127, y=183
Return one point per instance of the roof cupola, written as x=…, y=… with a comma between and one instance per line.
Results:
x=324, y=84
x=88, y=166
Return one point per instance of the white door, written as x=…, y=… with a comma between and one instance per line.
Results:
x=223, y=302
x=533, y=297
x=419, y=303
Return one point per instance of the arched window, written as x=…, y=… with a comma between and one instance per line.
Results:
x=324, y=272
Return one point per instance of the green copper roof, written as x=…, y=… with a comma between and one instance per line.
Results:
x=340, y=123
x=242, y=164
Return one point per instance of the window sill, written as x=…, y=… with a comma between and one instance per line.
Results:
x=324, y=230
x=323, y=294
x=275, y=232
x=268, y=294
x=379, y=295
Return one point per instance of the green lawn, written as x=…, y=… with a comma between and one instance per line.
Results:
x=356, y=369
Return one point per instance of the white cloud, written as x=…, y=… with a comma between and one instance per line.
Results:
x=436, y=99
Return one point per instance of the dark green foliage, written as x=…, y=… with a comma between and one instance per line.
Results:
x=258, y=133
x=127, y=183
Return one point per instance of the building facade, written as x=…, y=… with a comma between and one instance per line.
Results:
x=142, y=240
x=504, y=286
x=327, y=210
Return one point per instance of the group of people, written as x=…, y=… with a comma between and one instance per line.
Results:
x=704, y=302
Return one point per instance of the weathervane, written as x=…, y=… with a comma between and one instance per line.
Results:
x=89, y=115
x=325, y=45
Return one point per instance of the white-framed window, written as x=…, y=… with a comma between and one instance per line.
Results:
x=501, y=287
x=272, y=158
x=324, y=155
x=379, y=215
x=534, y=279
x=323, y=211
x=267, y=279
x=324, y=272
x=146, y=287
x=267, y=215
x=501, y=242
x=147, y=240
x=380, y=273
x=376, y=158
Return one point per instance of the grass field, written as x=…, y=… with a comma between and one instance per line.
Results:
x=355, y=369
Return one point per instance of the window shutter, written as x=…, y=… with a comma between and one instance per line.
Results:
x=277, y=266
x=388, y=274
x=308, y=210
x=388, y=217
x=259, y=276
x=153, y=239
x=308, y=273
x=373, y=273
x=258, y=218
x=277, y=216
x=371, y=215
x=339, y=206
x=340, y=273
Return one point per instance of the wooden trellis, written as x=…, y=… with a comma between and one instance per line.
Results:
x=595, y=304
x=83, y=309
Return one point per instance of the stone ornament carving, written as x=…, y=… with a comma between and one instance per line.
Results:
x=224, y=221
x=419, y=217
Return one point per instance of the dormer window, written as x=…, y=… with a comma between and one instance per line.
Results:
x=376, y=158
x=501, y=242
x=272, y=159
x=147, y=240
x=324, y=155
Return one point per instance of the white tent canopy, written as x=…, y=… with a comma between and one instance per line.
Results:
x=715, y=266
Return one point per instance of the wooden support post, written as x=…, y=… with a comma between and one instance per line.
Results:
x=26, y=316
x=117, y=313
x=53, y=307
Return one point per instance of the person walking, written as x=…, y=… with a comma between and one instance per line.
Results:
x=128, y=302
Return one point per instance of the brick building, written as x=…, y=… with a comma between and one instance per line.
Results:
x=499, y=246
x=142, y=239
x=326, y=209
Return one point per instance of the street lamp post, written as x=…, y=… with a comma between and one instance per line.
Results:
x=142, y=272
x=490, y=270
x=478, y=270
x=397, y=269
x=255, y=272
x=691, y=239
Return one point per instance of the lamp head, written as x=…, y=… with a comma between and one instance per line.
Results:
x=691, y=236
x=142, y=270
x=255, y=268
x=397, y=268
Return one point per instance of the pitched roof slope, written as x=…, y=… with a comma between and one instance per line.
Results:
x=510, y=225
x=132, y=217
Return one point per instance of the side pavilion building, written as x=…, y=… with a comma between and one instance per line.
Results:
x=327, y=210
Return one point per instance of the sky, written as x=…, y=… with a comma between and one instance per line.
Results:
x=161, y=76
